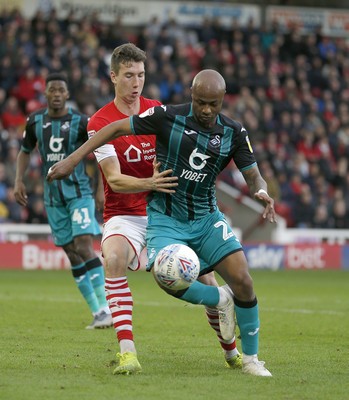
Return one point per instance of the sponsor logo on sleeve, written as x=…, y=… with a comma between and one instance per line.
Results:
x=147, y=113
x=91, y=133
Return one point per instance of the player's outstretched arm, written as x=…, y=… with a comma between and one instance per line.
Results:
x=258, y=189
x=65, y=167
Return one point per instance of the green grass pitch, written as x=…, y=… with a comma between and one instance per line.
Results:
x=46, y=354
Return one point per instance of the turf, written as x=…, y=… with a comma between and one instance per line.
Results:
x=46, y=354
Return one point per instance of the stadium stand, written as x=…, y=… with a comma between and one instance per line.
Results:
x=290, y=91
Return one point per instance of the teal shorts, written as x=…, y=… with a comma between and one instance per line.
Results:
x=210, y=237
x=75, y=219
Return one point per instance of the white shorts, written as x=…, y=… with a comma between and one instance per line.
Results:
x=132, y=228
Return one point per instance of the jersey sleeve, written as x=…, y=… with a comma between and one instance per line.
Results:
x=149, y=121
x=243, y=155
x=95, y=124
x=107, y=150
x=29, y=137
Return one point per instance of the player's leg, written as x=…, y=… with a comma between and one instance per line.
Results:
x=232, y=356
x=82, y=279
x=84, y=228
x=83, y=245
x=59, y=221
x=122, y=242
x=163, y=230
x=219, y=247
x=216, y=245
x=234, y=270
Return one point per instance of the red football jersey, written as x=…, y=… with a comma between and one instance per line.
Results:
x=135, y=154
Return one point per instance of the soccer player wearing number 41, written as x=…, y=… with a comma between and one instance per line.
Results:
x=197, y=141
x=57, y=131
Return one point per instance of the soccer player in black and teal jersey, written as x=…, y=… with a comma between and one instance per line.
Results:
x=197, y=141
x=57, y=131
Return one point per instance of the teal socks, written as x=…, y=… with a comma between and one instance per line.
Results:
x=198, y=293
x=95, y=272
x=247, y=317
x=84, y=284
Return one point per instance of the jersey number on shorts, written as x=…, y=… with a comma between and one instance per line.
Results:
x=80, y=216
x=226, y=235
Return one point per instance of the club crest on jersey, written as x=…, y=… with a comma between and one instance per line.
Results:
x=65, y=127
x=215, y=141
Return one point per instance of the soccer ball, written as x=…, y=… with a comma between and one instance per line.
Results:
x=176, y=266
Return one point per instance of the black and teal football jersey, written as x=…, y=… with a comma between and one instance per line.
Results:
x=56, y=138
x=196, y=155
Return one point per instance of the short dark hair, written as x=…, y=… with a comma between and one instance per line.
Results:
x=56, y=76
x=125, y=54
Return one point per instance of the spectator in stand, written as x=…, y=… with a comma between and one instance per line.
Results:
x=340, y=212
x=170, y=86
x=268, y=121
x=300, y=165
x=12, y=115
x=287, y=198
x=340, y=173
x=105, y=95
x=308, y=74
x=30, y=86
x=7, y=73
x=35, y=214
x=303, y=209
x=321, y=217
x=272, y=182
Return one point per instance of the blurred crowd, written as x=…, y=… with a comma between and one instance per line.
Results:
x=290, y=91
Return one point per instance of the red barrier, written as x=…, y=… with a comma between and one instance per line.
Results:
x=35, y=255
x=313, y=256
x=39, y=254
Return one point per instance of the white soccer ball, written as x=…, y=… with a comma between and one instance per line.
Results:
x=176, y=266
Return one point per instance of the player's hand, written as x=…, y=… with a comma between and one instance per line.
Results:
x=60, y=170
x=20, y=194
x=269, y=211
x=163, y=181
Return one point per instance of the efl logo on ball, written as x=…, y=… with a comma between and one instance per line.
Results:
x=176, y=266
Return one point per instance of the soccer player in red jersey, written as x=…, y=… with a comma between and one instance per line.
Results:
x=127, y=172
